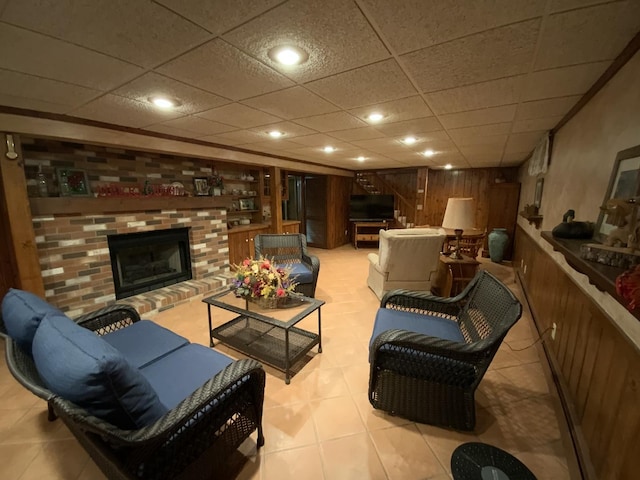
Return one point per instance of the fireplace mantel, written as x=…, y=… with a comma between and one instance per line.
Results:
x=88, y=206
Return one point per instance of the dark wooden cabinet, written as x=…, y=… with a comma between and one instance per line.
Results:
x=502, y=203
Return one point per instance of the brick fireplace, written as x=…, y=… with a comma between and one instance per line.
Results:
x=76, y=266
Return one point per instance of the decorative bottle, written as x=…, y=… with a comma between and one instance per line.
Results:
x=498, y=239
x=43, y=190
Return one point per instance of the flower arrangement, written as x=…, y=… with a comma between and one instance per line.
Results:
x=260, y=279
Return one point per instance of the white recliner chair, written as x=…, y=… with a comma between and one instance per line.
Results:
x=407, y=258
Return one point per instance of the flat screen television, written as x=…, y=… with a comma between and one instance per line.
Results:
x=371, y=208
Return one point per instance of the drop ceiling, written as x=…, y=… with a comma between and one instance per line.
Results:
x=479, y=82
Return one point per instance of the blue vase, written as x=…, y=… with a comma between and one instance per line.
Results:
x=498, y=239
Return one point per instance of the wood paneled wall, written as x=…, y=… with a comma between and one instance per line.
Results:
x=596, y=365
x=474, y=182
x=338, y=191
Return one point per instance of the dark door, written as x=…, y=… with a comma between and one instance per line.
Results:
x=503, y=211
x=315, y=195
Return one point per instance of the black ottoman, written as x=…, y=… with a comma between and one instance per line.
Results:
x=480, y=461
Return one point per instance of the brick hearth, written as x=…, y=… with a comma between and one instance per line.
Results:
x=76, y=267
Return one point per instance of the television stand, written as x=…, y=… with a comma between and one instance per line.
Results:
x=367, y=232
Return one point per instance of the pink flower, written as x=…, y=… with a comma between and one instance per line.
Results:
x=247, y=280
x=281, y=292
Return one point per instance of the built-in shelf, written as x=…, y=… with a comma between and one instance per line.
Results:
x=603, y=277
x=533, y=219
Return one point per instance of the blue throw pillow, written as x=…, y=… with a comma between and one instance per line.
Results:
x=81, y=367
x=22, y=312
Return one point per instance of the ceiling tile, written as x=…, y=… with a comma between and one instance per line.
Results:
x=560, y=5
x=319, y=140
x=112, y=27
x=240, y=137
x=290, y=129
x=460, y=134
x=363, y=133
x=562, y=82
x=413, y=24
x=488, y=143
x=514, y=158
x=151, y=84
x=504, y=91
x=219, y=68
x=411, y=127
x=295, y=102
x=368, y=85
x=489, y=55
x=274, y=145
x=239, y=115
x=29, y=52
x=535, y=124
x=199, y=125
x=319, y=154
x=380, y=145
x=169, y=130
x=480, y=159
x=546, y=108
x=478, y=117
x=221, y=15
x=523, y=142
x=32, y=104
x=331, y=121
x=30, y=88
x=122, y=111
x=220, y=140
x=396, y=110
x=588, y=35
x=334, y=33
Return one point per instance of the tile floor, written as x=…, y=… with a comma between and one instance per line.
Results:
x=322, y=426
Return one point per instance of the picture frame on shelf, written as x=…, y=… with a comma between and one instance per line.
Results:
x=624, y=184
x=201, y=186
x=73, y=182
x=247, y=204
x=537, y=198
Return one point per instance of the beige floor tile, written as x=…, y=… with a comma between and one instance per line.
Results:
x=60, y=460
x=288, y=427
x=300, y=463
x=503, y=359
x=16, y=459
x=278, y=394
x=34, y=427
x=524, y=350
x=543, y=465
x=375, y=419
x=352, y=457
x=357, y=378
x=443, y=442
x=336, y=417
x=324, y=383
x=404, y=453
x=91, y=472
x=529, y=378
x=495, y=389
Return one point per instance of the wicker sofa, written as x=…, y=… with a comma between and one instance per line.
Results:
x=428, y=354
x=144, y=402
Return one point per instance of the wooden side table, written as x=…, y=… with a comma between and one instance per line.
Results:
x=454, y=275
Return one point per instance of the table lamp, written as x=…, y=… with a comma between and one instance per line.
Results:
x=459, y=215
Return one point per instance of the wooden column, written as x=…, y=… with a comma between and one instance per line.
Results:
x=15, y=202
x=275, y=183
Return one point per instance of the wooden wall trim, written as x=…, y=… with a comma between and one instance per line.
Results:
x=595, y=363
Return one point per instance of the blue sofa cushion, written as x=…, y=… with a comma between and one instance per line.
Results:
x=389, y=319
x=22, y=312
x=145, y=341
x=81, y=367
x=178, y=375
x=299, y=272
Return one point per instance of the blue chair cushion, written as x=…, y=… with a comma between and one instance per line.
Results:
x=22, y=312
x=300, y=272
x=388, y=319
x=81, y=367
x=178, y=375
x=143, y=342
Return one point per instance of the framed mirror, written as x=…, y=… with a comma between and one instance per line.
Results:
x=624, y=184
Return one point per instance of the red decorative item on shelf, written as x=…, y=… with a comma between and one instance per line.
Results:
x=628, y=287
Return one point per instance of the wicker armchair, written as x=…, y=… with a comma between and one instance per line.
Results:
x=291, y=249
x=194, y=440
x=430, y=379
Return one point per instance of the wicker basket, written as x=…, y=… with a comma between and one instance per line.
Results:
x=270, y=302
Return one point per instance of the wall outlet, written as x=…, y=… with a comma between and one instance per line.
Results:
x=525, y=269
x=554, y=327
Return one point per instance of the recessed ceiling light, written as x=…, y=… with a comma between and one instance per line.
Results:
x=409, y=140
x=429, y=153
x=276, y=133
x=288, y=55
x=448, y=166
x=164, y=102
x=375, y=117
x=361, y=158
x=329, y=149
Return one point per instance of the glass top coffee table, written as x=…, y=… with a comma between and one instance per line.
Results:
x=268, y=335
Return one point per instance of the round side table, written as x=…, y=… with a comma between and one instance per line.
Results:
x=480, y=461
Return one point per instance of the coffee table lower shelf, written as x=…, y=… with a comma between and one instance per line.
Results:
x=276, y=346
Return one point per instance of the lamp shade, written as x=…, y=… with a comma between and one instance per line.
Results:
x=460, y=214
